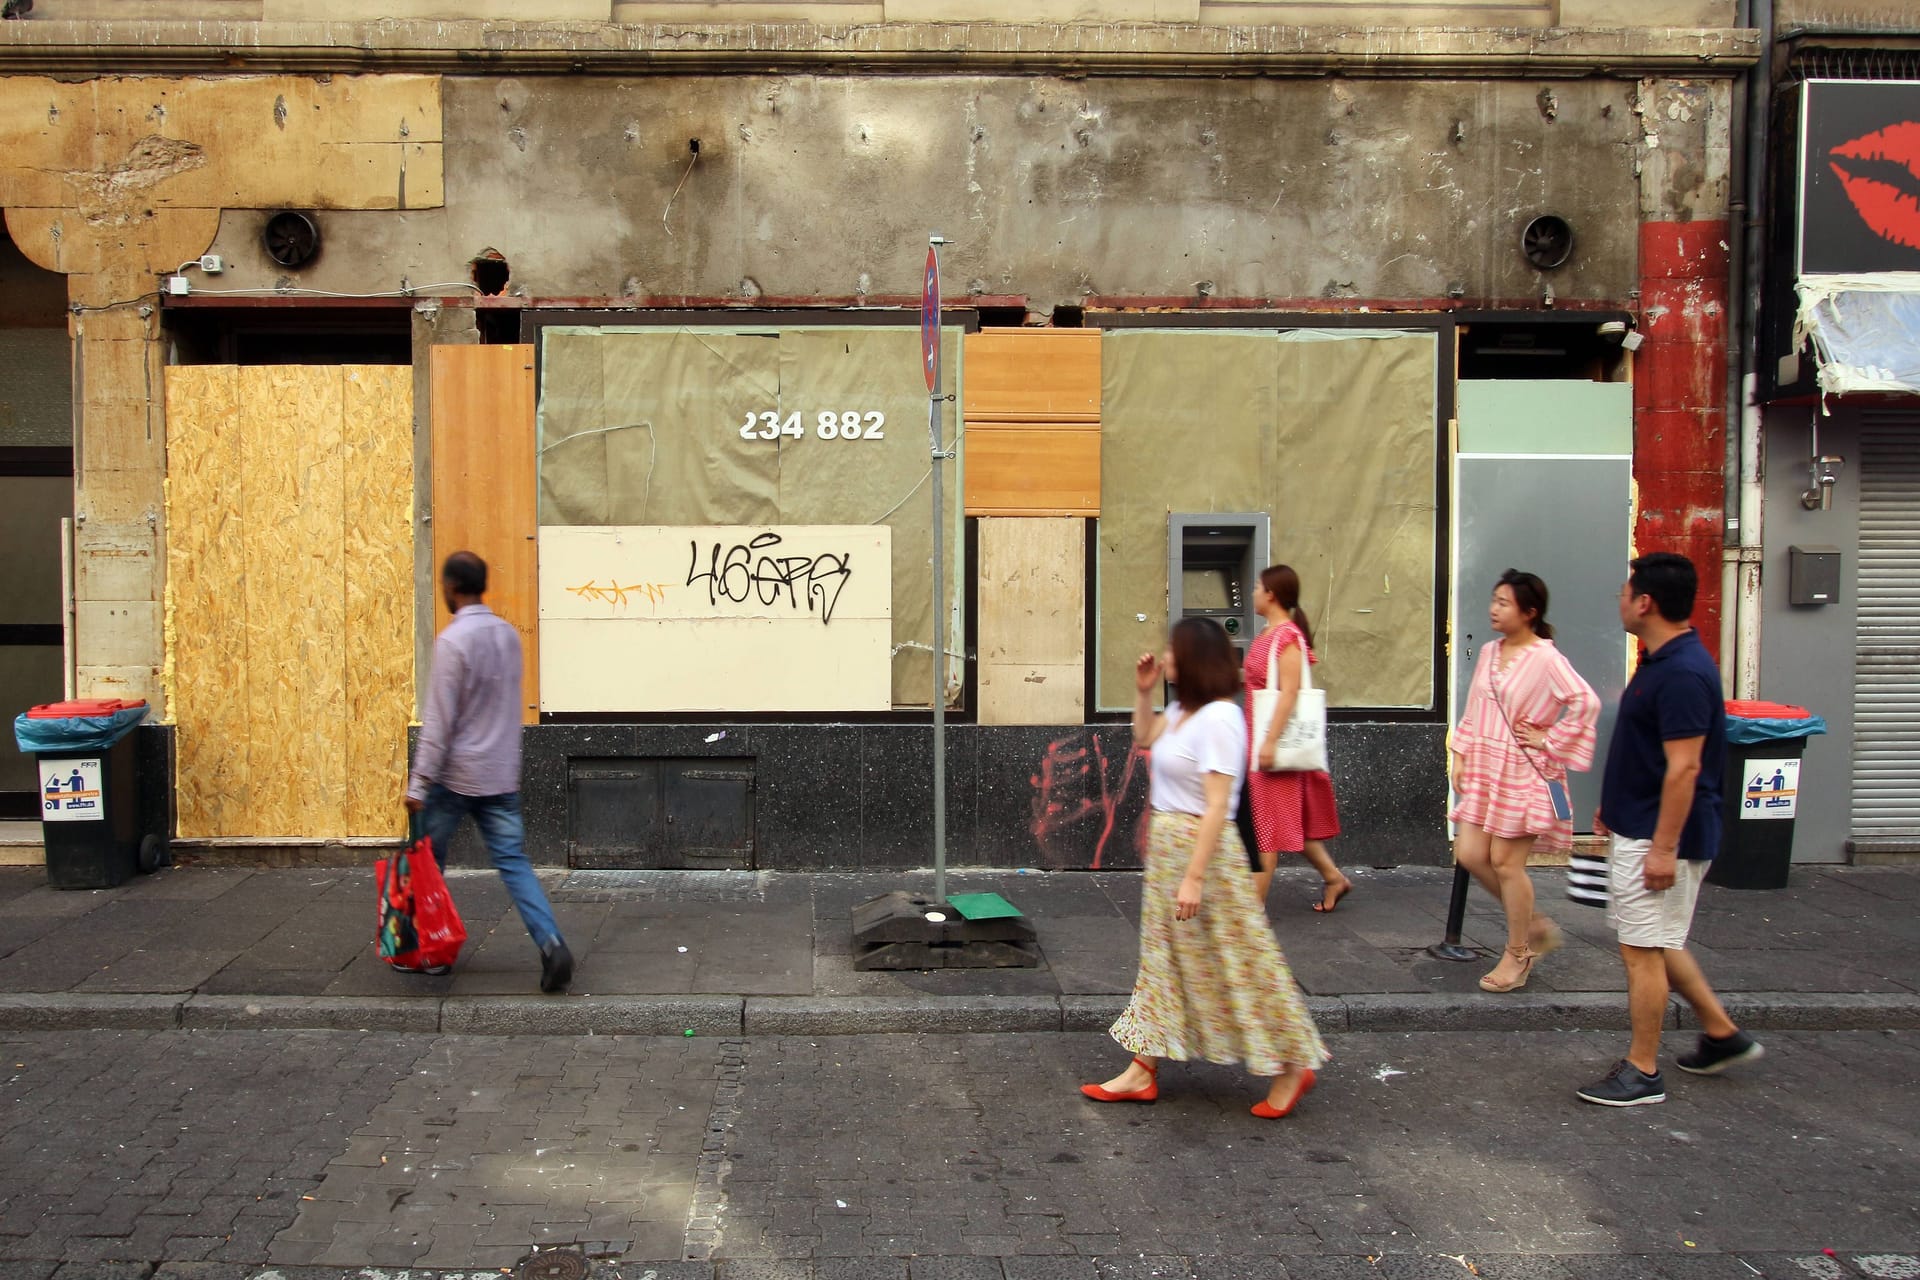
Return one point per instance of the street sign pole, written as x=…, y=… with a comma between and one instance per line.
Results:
x=930, y=356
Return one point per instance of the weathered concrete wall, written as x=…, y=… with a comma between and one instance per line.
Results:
x=822, y=187
x=1508, y=13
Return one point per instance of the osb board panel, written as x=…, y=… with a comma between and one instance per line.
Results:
x=207, y=655
x=1032, y=471
x=289, y=598
x=240, y=142
x=485, y=486
x=742, y=618
x=1334, y=435
x=377, y=443
x=1032, y=630
x=1033, y=375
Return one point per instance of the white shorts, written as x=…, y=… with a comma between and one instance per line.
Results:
x=1643, y=917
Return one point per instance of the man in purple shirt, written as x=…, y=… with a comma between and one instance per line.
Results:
x=468, y=757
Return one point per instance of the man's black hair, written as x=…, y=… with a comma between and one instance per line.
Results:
x=1669, y=580
x=466, y=573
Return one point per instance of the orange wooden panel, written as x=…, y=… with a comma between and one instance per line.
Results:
x=485, y=486
x=1032, y=471
x=1033, y=375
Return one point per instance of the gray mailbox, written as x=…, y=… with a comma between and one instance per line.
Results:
x=1813, y=575
x=1213, y=563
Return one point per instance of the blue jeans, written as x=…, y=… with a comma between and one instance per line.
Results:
x=505, y=836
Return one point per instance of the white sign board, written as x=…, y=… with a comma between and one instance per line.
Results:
x=716, y=618
x=70, y=791
x=1771, y=790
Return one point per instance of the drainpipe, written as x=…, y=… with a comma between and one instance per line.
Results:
x=1746, y=267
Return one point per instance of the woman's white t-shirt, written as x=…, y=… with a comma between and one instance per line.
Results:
x=1211, y=740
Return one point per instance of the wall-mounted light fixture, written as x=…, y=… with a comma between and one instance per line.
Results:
x=1823, y=472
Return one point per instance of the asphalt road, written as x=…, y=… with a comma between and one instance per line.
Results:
x=1419, y=1154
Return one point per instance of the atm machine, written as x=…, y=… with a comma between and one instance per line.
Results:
x=1213, y=563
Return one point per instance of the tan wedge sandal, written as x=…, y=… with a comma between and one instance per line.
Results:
x=1526, y=956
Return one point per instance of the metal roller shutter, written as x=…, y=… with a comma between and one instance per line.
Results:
x=1886, y=751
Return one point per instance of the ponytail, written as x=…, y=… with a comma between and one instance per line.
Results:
x=1283, y=584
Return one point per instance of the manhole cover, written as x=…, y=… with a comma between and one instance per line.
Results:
x=553, y=1264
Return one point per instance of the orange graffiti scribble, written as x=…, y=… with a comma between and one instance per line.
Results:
x=616, y=595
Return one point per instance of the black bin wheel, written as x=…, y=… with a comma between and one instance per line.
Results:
x=153, y=854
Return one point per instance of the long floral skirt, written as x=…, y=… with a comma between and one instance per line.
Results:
x=1215, y=987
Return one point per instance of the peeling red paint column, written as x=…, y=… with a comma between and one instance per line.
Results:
x=1679, y=403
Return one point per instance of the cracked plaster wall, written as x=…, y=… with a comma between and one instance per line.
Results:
x=825, y=187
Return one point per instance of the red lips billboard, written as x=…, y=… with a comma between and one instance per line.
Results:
x=1859, y=177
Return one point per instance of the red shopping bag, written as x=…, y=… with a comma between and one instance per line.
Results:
x=419, y=927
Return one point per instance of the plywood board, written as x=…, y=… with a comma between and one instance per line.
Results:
x=378, y=570
x=289, y=598
x=1032, y=631
x=1035, y=471
x=1033, y=375
x=485, y=486
x=206, y=615
x=716, y=618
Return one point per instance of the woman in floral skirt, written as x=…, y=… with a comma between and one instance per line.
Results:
x=1212, y=984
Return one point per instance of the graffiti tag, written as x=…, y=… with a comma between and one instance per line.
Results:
x=755, y=570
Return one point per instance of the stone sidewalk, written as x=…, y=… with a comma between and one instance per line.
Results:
x=771, y=953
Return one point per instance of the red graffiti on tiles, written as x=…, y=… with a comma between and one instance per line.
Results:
x=1076, y=788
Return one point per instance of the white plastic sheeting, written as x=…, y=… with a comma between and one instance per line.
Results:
x=1865, y=331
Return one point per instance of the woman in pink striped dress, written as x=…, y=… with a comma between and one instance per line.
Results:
x=1529, y=719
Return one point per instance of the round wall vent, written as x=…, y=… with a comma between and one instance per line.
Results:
x=1547, y=241
x=291, y=239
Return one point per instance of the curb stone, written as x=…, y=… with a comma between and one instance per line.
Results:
x=309, y=1013
x=590, y=1015
x=889, y=1015
x=80, y=1011
x=899, y=1015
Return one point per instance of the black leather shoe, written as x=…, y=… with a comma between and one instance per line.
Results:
x=556, y=967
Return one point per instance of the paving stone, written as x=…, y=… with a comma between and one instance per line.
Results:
x=953, y=1269
x=1237, y=1267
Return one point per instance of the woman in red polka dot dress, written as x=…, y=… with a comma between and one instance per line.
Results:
x=1292, y=812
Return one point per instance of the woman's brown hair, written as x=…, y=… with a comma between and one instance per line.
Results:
x=1204, y=664
x=1529, y=596
x=1283, y=584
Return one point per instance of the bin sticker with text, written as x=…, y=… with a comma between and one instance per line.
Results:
x=70, y=791
x=1772, y=790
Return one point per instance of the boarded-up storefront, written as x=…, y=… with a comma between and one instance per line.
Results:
x=290, y=598
x=770, y=429
x=1334, y=435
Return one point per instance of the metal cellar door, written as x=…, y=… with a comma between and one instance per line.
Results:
x=1886, y=749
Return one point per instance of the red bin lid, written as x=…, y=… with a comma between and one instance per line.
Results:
x=1766, y=711
x=83, y=707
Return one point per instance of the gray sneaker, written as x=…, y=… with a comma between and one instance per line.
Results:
x=1710, y=1057
x=1625, y=1086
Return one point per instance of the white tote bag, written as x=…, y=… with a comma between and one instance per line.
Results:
x=1303, y=743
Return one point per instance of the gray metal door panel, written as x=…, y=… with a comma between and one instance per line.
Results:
x=1566, y=518
x=660, y=814
x=1886, y=724
x=710, y=814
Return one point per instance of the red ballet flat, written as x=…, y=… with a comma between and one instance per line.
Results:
x=1267, y=1111
x=1149, y=1094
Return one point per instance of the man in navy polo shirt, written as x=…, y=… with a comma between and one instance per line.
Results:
x=1660, y=804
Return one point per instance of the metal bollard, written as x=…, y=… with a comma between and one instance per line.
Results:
x=1449, y=948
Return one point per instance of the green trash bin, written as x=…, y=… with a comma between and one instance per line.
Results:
x=1761, y=793
x=90, y=792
